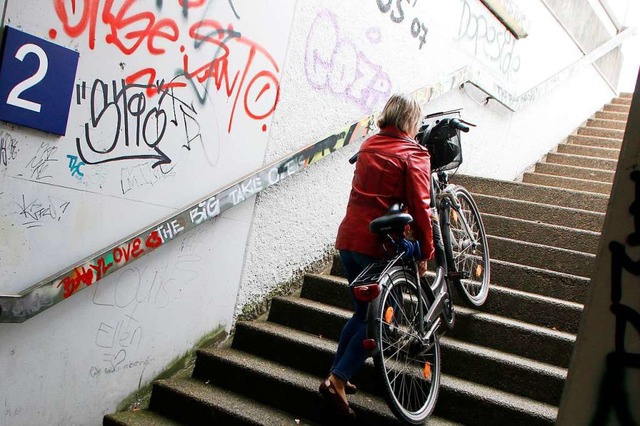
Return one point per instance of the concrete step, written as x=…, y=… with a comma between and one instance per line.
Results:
x=575, y=172
x=281, y=386
x=314, y=355
x=138, y=418
x=457, y=398
x=626, y=95
x=502, y=301
x=621, y=101
x=557, y=285
x=589, y=151
x=534, y=193
x=192, y=401
x=567, y=183
x=541, y=256
x=540, y=213
x=582, y=161
x=595, y=141
x=465, y=402
x=502, y=371
x=491, y=331
x=601, y=132
x=612, y=115
x=534, y=231
x=607, y=124
x=616, y=108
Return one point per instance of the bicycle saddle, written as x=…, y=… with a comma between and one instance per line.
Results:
x=393, y=221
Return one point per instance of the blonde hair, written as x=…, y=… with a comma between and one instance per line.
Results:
x=402, y=111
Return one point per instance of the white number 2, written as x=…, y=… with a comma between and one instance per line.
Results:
x=14, y=96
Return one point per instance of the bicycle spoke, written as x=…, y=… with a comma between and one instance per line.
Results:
x=403, y=355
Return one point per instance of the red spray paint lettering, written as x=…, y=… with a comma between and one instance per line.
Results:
x=72, y=283
x=130, y=251
x=252, y=87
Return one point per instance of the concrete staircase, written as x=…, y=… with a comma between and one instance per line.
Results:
x=504, y=364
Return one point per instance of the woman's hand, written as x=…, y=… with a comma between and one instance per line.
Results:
x=422, y=267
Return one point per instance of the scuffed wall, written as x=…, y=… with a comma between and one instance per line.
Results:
x=228, y=104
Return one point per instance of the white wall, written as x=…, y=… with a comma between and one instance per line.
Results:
x=336, y=62
x=300, y=217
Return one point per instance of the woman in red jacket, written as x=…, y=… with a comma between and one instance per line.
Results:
x=391, y=168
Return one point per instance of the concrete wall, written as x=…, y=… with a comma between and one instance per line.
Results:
x=602, y=385
x=336, y=62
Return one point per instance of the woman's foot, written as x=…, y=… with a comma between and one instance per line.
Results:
x=350, y=388
x=333, y=390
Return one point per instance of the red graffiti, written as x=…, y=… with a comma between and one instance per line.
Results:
x=213, y=33
x=192, y=3
x=72, y=283
x=101, y=268
x=131, y=251
x=238, y=67
x=150, y=80
x=153, y=240
x=127, y=30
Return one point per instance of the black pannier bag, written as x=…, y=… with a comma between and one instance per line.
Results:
x=442, y=141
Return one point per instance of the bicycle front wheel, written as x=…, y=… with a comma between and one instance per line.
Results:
x=467, y=250
x=409, y=366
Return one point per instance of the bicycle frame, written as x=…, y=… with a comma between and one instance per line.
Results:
x=380, y=272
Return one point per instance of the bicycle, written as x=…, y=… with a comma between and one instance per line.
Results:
x=406, y=312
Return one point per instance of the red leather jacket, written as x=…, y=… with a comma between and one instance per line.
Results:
x=391, y=168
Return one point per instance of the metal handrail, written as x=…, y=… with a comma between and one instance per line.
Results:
x=17, y=308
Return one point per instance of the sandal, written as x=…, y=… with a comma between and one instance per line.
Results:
x=330, y=394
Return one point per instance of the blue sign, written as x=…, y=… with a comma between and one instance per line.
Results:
x=36, y=82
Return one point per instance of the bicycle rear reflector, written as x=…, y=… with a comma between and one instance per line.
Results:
x=369, y=344
x=366, y=292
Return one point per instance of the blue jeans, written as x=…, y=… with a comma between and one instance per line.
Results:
x=351, y=355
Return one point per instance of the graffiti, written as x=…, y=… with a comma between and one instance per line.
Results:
x=169, y=230
x=245, y=190
x=336, y=64
x=93, y=271
x=417, y=28
x=134, y=286
x=139, y=128
x=261, y=92
x=36, y=213
x=40, y=162
x=492, y=42
x=106, y=263
x=142, y=175
x=117, y=366
x=8, y=149
x=613, y=395
x=239, y=68
x=73, y=282
x=205, y=210
x=118, y=338
x=74, y=166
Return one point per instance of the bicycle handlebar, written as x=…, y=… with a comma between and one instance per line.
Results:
x=458, y=125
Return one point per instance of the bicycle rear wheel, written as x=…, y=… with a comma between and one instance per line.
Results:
x=409, y=368
x=467, y=252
